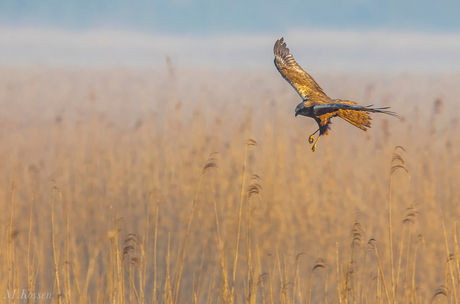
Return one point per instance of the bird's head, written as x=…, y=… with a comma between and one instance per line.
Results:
x=300, y=109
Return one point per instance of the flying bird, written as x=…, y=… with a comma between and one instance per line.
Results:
x=315, y=103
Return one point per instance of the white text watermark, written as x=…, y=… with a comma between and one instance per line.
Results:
x=26, y=294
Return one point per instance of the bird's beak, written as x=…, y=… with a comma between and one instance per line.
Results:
x=296, y=113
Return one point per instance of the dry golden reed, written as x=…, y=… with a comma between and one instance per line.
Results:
x=176, y=186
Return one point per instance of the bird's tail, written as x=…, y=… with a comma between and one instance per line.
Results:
x=349, y=111
x=359, y=117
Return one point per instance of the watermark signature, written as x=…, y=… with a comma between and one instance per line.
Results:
x=26, y=294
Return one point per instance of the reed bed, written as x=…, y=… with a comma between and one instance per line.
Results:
x=177, y=186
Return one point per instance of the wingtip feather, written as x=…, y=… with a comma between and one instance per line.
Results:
x=280, y=47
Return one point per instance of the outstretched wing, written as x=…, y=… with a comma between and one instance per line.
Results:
x=300, y=80
x=349, y=111
x=334, y=107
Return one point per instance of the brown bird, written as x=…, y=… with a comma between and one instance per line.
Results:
x=315, y=103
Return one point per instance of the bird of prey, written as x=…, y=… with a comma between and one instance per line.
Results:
x=315, y=103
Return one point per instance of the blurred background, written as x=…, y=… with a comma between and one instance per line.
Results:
x=357, y=35
x=111, y=110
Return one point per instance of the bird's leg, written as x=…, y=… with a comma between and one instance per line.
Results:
x=314, y=146
x=311, y=139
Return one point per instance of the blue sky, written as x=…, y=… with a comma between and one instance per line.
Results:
x=207, y=17
x=363, y=35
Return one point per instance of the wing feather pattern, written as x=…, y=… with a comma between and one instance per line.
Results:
x=300, y=80
x=334, y=107
x=350, y=112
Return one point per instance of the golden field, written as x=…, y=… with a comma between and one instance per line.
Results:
x=111, y=190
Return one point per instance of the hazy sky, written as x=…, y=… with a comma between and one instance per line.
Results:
x=236, y=16
x=393, y=35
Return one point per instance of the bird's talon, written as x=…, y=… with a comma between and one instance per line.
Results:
x=311, y=139
x=313, y=149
